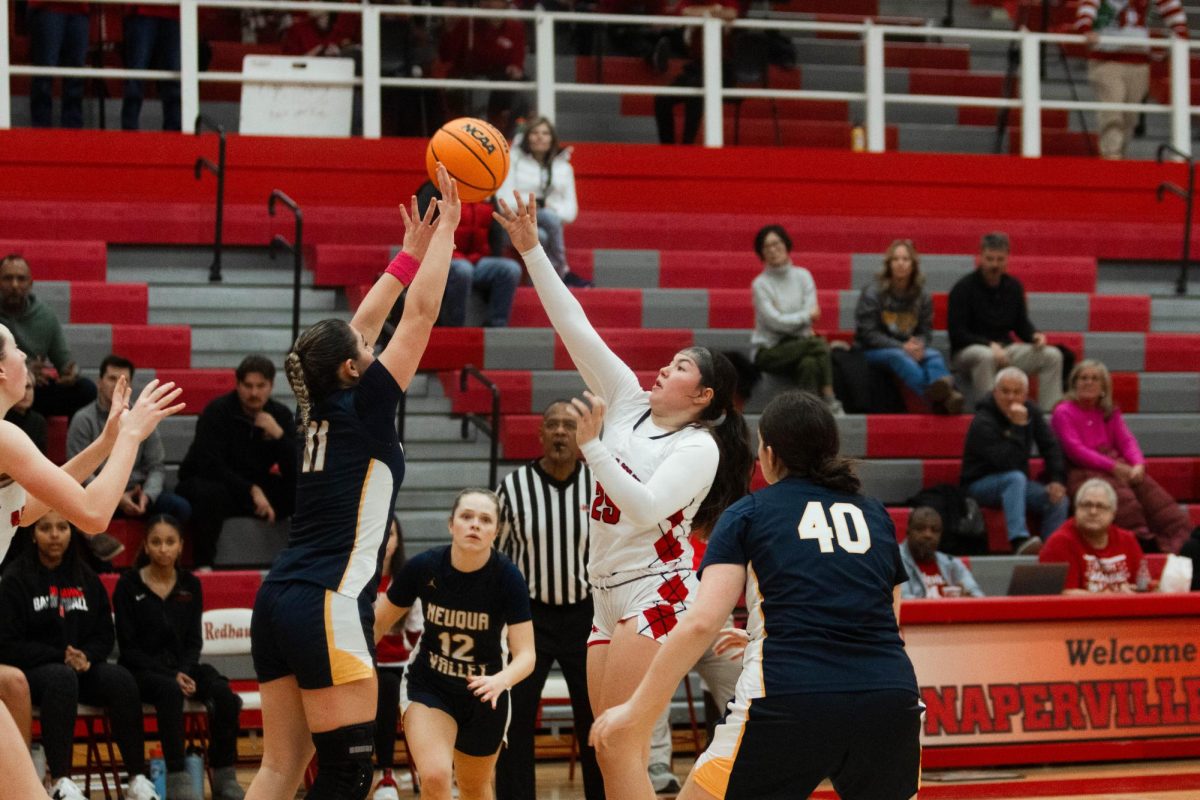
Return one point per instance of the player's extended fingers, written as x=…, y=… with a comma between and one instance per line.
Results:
x=532, y=206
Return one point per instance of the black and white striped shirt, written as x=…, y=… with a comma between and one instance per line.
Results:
x=544, y=531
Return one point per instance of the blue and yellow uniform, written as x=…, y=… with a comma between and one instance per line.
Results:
x=314, y=614
x=465, y=616
x=826, y=689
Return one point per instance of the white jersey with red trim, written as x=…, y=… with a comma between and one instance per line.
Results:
x=649, y=482
x=12, y=500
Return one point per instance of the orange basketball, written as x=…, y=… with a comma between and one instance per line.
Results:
x=475, y=154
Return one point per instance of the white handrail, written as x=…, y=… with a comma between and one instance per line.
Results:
x=874, y=94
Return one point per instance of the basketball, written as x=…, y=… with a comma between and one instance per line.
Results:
x=474, y=153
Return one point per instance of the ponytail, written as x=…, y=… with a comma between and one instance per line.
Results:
x=312, y=365
x=295, y=376
x=728, y=428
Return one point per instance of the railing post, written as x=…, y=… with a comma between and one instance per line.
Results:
x=189, y=60
x=875, y=88
x=1031, y=96
x=5, y=96
x=371, y=93
x=544, y=63
x=1181, y=100
x=714, y=117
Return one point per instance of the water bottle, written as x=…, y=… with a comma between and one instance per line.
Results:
x=1143, y=577
x=158, y=773
x=194, y=764
x=858, y=138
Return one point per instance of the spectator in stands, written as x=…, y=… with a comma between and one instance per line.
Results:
x=391, y=655
x=894, y=321
x=56, y=625
x=932, y=573
x=144, y=495
x=24, y=417
x=60, y=390
x=152, y=42
x=544, y=511
x=476, y=266
x=986, y=309
x=59, y=38
x=158, y=610
x=995, y=464
x=242, y=461
x=1100, y=556
x=323, y=33
x=489, y=48
x=1117, y=73
x=542, y=166
x=693, y=72
x=785, y=308
x=1097, y=444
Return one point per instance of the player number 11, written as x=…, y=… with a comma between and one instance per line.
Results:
x=815, y=525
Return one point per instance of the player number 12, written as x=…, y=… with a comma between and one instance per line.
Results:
x=814, y=525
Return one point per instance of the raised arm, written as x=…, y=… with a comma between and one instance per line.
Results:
x=89, y=509
x=403, y=354
x=603, y=372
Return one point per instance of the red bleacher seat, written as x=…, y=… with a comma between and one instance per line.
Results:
x=703, y=269
x=200, y=386
x=1119, y=313
x=131, y=533
x=451, y=348
x=642, y=105
x=516, y=392
x=159, y=346
x=60, y=260
x=927, y=56
x=1172, y=352
x=894, y=435
x=121, y=303
x=605, y=308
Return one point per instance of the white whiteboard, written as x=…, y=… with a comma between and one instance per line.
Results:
x=298, y=109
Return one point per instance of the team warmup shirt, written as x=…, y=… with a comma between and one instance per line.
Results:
x=820, y=570
x=351, y=467
x=1113, y=568
x=12, y=500
x=465, y=614
x=649, y=482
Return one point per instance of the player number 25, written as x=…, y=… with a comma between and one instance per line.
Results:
x=815, y=525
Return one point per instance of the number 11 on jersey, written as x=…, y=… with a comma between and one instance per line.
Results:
x=815, y=525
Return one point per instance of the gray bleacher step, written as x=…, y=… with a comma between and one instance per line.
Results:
x=189, y=265
x=241, y=317
x=593, y=126
x=424, y=528
x=446, y=474
x=414, y=498
x=837, y=78
x=1166, y=434
x=1174, y=314
x=262, y=298
x=952, y=138
x=1155, y=278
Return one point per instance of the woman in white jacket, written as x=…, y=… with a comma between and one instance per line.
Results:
x=541, y=166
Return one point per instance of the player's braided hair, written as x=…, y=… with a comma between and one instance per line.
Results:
x=312, y=365
x=728, y=427
x=803, y=434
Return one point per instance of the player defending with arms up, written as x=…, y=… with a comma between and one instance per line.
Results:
x=826, y=690
x=657, y=476
x=312, y=626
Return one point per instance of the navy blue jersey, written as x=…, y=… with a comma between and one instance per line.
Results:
x=351, y=467
x=821, y=566
x=465, y=613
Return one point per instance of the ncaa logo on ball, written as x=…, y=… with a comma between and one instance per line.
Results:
x=480, y=136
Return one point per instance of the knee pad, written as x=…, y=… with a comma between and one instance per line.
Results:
x=344, y=768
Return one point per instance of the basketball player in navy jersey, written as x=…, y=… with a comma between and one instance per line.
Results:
x=455, y=694
x=312, y=626
x=826, y=690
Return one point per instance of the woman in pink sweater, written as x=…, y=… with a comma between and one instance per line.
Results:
x=1097, y=444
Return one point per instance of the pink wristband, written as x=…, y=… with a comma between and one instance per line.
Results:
x=403, y=267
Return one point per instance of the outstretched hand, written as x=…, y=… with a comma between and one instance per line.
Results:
x=449, y=207
x=521, y=224
x=151, y=408
x=418, y=229
x=116, y=408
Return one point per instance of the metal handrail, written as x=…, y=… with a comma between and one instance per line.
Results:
x=296, y=248
x=490, y=428
x=1188, y=197
x=218, y=169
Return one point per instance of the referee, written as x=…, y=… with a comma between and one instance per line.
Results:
x=544, y=531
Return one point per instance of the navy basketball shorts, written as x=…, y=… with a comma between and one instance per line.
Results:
x=481, y=729
x=778, y=748
x=302, y=629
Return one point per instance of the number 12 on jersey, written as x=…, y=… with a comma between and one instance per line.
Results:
x=815, y=525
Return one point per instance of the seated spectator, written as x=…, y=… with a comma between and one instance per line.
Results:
x=693, y=71
x=24, y=417
x=152, y=42
x=322, y=33
x=894, y=321
x=144, y=495
x=242, y=461
x=158, y=610
x=56, y=625
x=995, y=464
x=488, y=48
x=1097, y=444
x=60, y=391
x=785, y=308
x=931, y=573
x=542, y=166
x=1100, y=557
x=986, y=309
x=476, y=266
x=59, y=38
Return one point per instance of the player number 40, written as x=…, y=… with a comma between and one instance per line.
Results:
x=815, y=525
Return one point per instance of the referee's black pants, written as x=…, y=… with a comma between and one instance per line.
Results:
x=560, y=634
